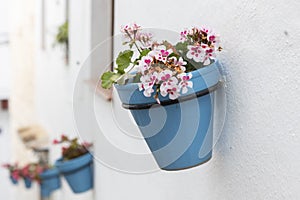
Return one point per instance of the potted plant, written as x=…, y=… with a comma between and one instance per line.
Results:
x=76, y=164
x=46, y=176
x=182, y=79
x=14, y=172
x=49, y=181
x=62, y=38
x=27, y=174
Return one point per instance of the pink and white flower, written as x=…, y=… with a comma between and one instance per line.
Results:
x=215, y=40
x=185, y=82
x=180, y=63
x=197, y=53
x=169, y=84
x=145, y=64
x=205, y=30
x=160, y=53
x=170, y=87
x=145, y=39
x=130, y=28
x=147, y=83
x=165, y=75
x=200, y=53
x=183, y=35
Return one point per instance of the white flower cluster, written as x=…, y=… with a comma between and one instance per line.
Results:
x=162, y=66
x=205, y=44
x=158, y=68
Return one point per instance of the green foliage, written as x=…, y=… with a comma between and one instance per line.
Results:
x=123, y=60
x=137, y=78
x=142, y=54
x=62, y=36
x=108, y=79
x=181, y=47
x=192, y=65
x=73, y=149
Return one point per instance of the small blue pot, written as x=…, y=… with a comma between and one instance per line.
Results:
x=78, y=172
x=27, y=182
x=14, y=181
x=183, y=139
x=50, y=181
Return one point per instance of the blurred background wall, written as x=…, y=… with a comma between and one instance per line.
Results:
x=42, y=80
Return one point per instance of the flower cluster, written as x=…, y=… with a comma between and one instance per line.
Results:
x=130, y=28
x=73, y=149
x=201, y=43
x=30, y=171
x=13, y=170
x=134, y=34
x=162, y=69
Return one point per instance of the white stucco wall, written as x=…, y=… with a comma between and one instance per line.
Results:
x=257, y=154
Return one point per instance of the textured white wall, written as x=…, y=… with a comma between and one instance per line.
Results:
x=257, y=154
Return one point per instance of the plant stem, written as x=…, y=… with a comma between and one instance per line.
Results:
x=133, y=40
x=124, y=74
x=137, y=46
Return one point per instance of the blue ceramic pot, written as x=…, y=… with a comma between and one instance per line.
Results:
x=179, y=132
x=27, y=182
x=14, y=181
x=50, y=181
x=78, y=172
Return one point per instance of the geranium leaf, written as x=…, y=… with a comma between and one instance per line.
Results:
x=181, y=47
x=108, y=79
x=123, y=60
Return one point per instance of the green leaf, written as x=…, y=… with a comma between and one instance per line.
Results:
x=108, y=79
x=123, y=60
x=173, y=55
x=137, y=77
x=142, y=54
x=181, y=46
x=62, y=35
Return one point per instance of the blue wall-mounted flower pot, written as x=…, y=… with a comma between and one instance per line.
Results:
x=178, y=132
x=78, y=172
x=14, y=181
x=28, y=182
x=50, y=181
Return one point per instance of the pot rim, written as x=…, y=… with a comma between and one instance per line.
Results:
x=74, y=164
x=49, y=173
